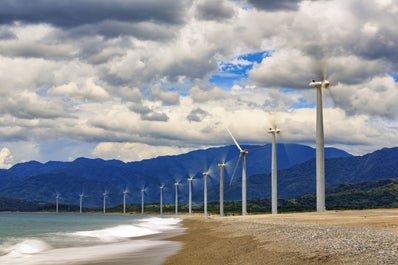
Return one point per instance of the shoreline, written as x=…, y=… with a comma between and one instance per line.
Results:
x=331, y=237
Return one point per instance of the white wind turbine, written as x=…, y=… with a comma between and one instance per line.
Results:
x=221, y=166
x=274, y=171
x=320, y=144
x=142, y=200
x=161, y=199
x=190, y=179
x=242, y=156
x=176, y=184
x=105, y=194
x=81, y=202
x=205, y=174
x=56, y=202
x=125, y=191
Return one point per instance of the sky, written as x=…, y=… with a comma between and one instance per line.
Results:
x=136, y=79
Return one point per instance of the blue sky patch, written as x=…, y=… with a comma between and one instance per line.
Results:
x=394, y=75
x=234, y=71
x=303, y=103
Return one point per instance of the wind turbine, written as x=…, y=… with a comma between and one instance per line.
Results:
x=142, y=200
x=205, y=174
x=81, y=202
x=56, y=202
x=105, y=194
x=320, y=145
x=221, y=166
x=161, y=199
x=125, y=191
x=190, y=179
x=176, y=184
x=274, y=171
x=242, y=156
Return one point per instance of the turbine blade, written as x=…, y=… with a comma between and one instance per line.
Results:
x=236, y=142
x=236, y=167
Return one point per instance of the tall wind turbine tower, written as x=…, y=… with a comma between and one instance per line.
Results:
x=190, y=195
x=161, y=199
x=124, y=201
x=242, y=156
x=274, y=172
x=176, y=196
x=81, y=202
x=105, y=194
x=56, y=202
x=142, y=201
x=221, y=166
x=205, y=174
x=320, y=145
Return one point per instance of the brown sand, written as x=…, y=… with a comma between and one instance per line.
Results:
x=244, y=239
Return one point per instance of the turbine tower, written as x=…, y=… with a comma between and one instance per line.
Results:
x=81, y=202
x=124, y=200
x=242, y=156
x=221, y=166
x=161, y=199
x=320, y=145
x=190, y=195
x=142, y=200
x=205, y=174
x=274, y=172
x=56, y=202
x=176, y=196
x=105, y=194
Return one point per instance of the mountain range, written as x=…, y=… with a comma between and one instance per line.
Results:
x=35, y=181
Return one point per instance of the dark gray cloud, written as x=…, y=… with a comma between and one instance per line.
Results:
x=140, y=109
x=74, y=13
x=13, y=133
x=6, y=34
x=275, y=5
x=148, y=114
x=34, y=50
x=154, y=116
x=147, y=30
x=197, y=115
x=213, y=10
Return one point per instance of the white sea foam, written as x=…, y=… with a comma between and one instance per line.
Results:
x=80, y=255
x=117, y=233
x=28, y=246
x=118, y=242
x=160, y=224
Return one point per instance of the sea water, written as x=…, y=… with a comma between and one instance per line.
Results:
x=40, y=239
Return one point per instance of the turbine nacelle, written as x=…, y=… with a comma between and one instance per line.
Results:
x=274, y=131
x=319, y=84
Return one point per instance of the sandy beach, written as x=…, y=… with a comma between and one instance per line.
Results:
x=332, y=237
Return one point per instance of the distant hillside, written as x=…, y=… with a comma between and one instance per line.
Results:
x=365, y=195
x=38, y=181
x=15, y=205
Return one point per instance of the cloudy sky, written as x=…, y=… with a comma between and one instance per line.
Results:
x=134, y=79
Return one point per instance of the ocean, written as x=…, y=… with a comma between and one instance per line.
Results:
x=86, y=239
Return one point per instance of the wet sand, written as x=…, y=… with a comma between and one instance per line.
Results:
x=332, y=237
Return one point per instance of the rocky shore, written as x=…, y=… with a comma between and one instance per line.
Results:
x=345, y=237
